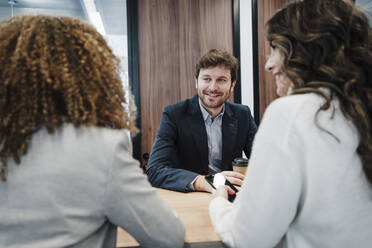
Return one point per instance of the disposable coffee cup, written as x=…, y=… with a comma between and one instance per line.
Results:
x=240, y=165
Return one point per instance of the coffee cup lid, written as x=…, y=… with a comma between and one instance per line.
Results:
x=240, y=162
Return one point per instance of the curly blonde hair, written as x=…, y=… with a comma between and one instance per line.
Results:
x=55, y=70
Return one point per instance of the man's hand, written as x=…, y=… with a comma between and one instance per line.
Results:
x=201, y=184
x=235, y=178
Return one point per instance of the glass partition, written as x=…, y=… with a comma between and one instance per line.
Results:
x=367, y=6
x=108, y=16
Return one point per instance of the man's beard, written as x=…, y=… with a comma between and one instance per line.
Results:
x=217, y=103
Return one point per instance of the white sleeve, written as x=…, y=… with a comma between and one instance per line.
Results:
x=268, y=201
x=131, y=203
x=221, y=213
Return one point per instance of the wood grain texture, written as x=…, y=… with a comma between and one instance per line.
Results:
x=173, y=34
x=192, y=208
x=267, y=87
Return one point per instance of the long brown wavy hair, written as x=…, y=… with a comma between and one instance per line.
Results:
x=328, y=43
x=55, y=70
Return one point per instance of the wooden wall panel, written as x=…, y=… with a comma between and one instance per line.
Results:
x=173, y=34
x=267, y=87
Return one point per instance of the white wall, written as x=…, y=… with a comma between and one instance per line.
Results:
x=246, y=53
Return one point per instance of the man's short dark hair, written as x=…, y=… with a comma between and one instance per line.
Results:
x=217, y=57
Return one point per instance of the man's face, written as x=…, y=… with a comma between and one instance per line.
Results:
x=214, y=86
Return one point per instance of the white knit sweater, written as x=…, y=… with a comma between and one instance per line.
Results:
x=303, y=188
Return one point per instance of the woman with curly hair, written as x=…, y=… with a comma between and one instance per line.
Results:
x=309, y=178
x=67, y=174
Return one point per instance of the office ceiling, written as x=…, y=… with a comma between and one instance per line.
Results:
x=113, y=12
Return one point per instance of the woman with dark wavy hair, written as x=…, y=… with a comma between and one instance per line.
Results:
x=68, y=176
x=309, y=178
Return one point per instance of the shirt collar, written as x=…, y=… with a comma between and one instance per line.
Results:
x=206, y=114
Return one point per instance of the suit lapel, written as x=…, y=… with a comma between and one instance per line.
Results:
x=229, y=133
x=197, y=126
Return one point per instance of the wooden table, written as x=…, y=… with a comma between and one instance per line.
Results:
x=193, y=211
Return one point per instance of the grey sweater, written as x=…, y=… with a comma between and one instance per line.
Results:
x=74, y=187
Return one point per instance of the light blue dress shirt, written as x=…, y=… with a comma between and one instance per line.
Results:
x=213, y=127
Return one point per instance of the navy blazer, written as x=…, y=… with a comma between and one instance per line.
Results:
x=180, y=150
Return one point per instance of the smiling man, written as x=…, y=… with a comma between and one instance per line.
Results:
x=202, y=135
